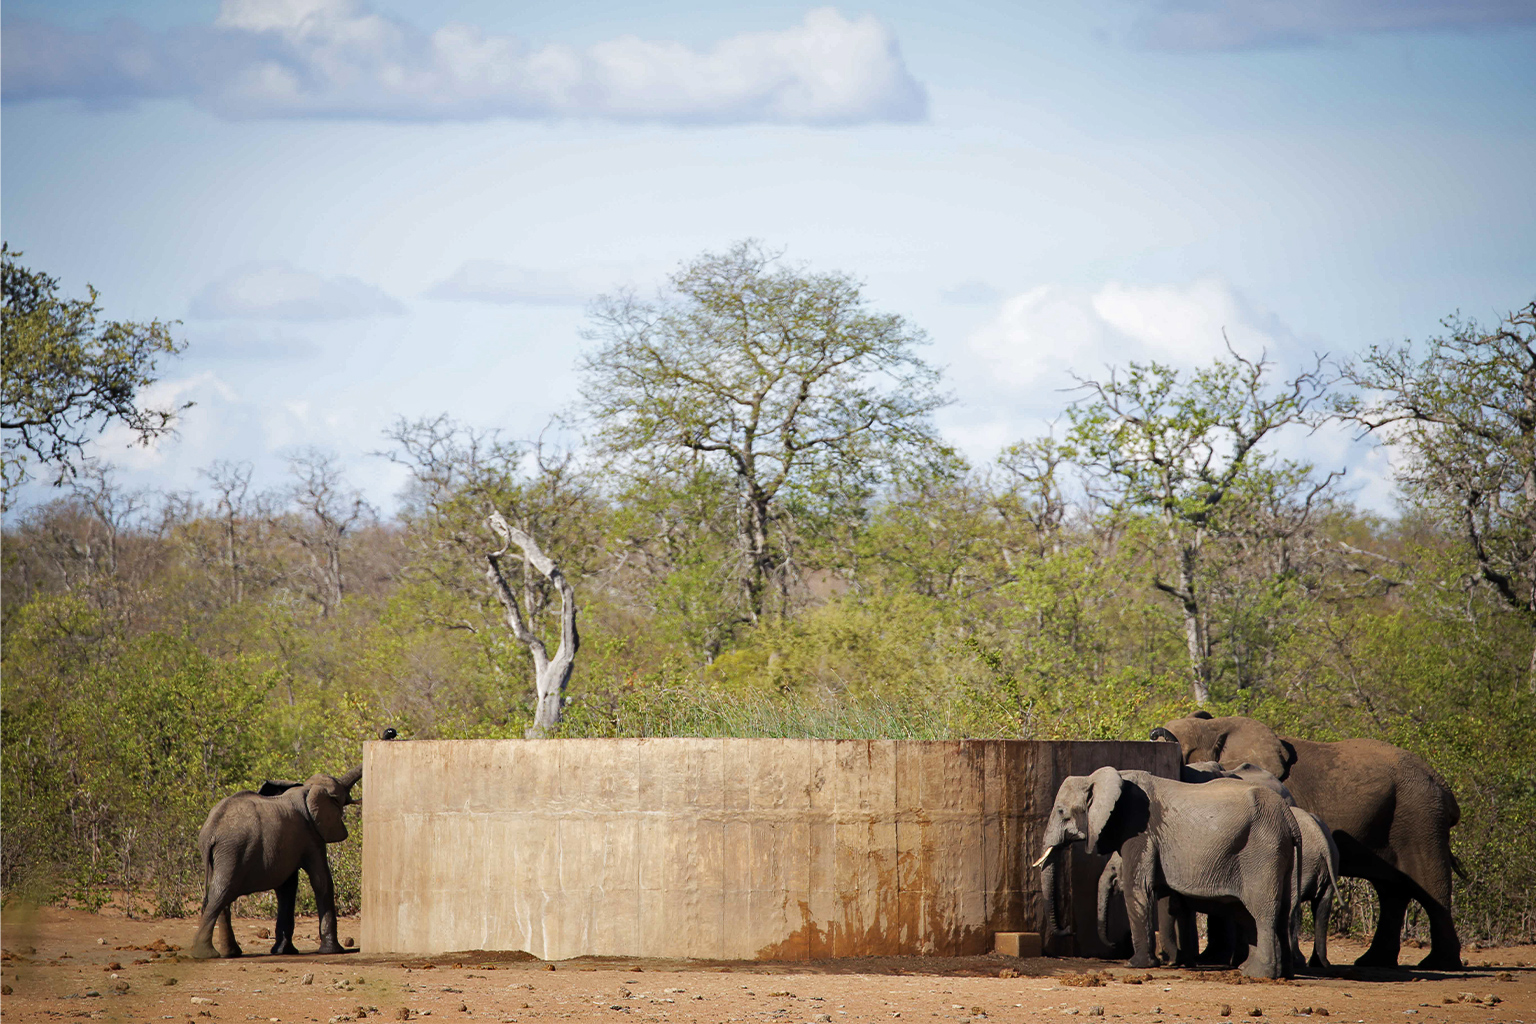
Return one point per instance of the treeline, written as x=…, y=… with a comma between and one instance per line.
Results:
x=766, y=537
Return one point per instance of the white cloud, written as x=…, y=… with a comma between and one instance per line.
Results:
x=279, y=291
x=119, y=444
x=1041, y=338
x=495, y=281
x=338, y=58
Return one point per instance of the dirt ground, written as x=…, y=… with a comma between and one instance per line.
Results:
x=66, y=965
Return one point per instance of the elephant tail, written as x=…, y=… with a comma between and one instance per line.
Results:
x=1456, y=866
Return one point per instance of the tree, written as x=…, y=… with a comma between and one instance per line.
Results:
x=782, y=377
x=68, y=377
x=325, y=511
x=464, y=480
x=1186, y=447
x=1464, y=414
x=550, y=675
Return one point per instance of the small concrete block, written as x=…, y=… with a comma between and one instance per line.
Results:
x=1017, y=943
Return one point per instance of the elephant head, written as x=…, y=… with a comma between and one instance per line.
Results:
x=1231, y=740
x=322, y=798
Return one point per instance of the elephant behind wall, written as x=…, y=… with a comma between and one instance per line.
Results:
x=1390, y=813
x=253, y=842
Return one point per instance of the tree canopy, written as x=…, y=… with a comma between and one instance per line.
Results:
x=68, y=375
x=783, y=377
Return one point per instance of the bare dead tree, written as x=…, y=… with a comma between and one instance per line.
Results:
x=231, y=482
x=327, y=512
x=550, y=675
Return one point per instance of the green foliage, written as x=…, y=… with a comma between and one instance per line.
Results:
x=66, y=377
x=151, y=667
x=115, y=749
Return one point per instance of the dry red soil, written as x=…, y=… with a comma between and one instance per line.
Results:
x=68, y=965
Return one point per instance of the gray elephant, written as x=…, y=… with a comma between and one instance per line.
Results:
x=253, y=842
x=1230, y=934
x=1224, y=841
x=1390, y=813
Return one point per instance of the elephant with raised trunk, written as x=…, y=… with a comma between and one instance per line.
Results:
x=253, y=842
x=1390, y=813
x=1222, y=842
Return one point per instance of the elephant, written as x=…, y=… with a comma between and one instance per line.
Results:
x=252, y=842
x=1224, y=841
x=1228, y=937
x=1390, y=813
x=1317, y=886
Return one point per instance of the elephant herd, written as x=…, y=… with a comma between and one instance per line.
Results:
x=1256, y=827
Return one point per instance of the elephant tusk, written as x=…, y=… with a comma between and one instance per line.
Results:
x=1043, y=858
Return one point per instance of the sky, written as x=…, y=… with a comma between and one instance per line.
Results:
x=362, y=210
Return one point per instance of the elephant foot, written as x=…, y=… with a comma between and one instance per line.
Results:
x=1441, y=960
x=1143, y=961
x=1317, y=965
x=1375, y=958
x=284, y=947
x=1254, y=968
x=203, y=951
x=330, y=946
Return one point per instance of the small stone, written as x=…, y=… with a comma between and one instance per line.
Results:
x=263, y=933
x=1225, y=1010
x=403, y=1014
x=101, y=942
x=822, y=1017
x=1491, y=999
x=169, y=981
x=120, y=987
x=549, y=967
x=5, y=990
x=1096, y=1011
x=91, y=993
x=308, y=979
x=1321, y=1011
x=463, y=1007
x=1007, y=972
x=1257, y=1011
x=349, y=942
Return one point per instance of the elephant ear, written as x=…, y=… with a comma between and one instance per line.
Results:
x=274, y=787
x=1102, y=797
x=1245, y=739
x=326, y=812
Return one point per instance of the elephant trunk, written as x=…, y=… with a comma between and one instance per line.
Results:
x=350, y=779
x=1106, y=890
x=1048, y=887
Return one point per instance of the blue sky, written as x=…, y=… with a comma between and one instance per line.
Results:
x=369, y=210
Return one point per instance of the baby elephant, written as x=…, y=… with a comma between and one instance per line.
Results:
x=252, y=842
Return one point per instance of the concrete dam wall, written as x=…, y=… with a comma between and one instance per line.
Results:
x=718, y=848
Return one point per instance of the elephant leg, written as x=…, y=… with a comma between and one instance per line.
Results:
x=227, y=932
x=1168, y=928
x=1221, y=939
x=1389, y=926
x=1267, y=957
x=216, y=903
x=1293, y=935
x=287, y=895
x=1433, y=882
x=1322, y=909
x=319, y=871
x=1140, y=910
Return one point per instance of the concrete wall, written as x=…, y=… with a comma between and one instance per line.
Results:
x=715, y=848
